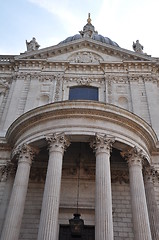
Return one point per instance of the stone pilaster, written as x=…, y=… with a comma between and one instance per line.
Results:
x=153, y=211
x=141, y=224
x=12, y=224
x=103, y=199
x=50, y=206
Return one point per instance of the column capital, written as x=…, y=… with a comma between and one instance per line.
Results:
x=102, y=143
x=57, y=142
x=25, y=153
x=150, y=173
x=134, y=157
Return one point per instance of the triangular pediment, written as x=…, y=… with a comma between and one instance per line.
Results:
x=83, y=51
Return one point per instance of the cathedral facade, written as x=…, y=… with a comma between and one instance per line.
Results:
x=79, y=149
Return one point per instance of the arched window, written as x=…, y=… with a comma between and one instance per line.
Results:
x=83, y=93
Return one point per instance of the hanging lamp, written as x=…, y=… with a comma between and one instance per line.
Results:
x=76, y=223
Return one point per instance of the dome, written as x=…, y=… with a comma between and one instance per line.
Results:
x=89, y=32
x=96, y=37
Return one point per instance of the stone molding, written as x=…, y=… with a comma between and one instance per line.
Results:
x=57, y=142
x=82, y=109
x=79, y=44
x=102, y=143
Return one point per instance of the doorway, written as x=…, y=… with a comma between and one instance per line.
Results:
x=88, y=233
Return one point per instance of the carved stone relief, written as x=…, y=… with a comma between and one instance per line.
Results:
x=85, y=57
x=6, y=170
x=88, y=172
x=38, y=174
x=84, y=80
x=58, y=90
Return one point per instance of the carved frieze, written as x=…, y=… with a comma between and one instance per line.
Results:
x=46, y=78
x=38, y=174
x=8, y=169
x=121, y=176
x=84, y=80
x=69, y=171
x=88, y=172
x=85, y=57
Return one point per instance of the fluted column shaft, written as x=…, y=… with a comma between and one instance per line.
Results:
x=15, y=210
x=153, y=211
x=103, y=196
x=138, y=198
x=50, y=205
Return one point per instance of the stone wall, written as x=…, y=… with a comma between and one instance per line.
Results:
x=122, y=215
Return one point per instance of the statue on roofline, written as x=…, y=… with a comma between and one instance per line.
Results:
x=88, y=29
x=137, y=47
x=32, y=45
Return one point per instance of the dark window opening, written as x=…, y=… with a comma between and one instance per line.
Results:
x=83, y=93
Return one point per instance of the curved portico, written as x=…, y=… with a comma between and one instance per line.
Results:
x=102, y=125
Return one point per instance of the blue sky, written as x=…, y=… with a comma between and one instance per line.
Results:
x=51, y=21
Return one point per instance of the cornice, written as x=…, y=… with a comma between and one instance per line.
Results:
x=43, y=66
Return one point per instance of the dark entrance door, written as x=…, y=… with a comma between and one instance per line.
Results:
x=65, y=234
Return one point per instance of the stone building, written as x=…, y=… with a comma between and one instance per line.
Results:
x=79, y=134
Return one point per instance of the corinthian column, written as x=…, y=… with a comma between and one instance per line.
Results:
x=15, y=210
x=103, y=196
x=141, y=224
x=50, y=205
x=149, y=177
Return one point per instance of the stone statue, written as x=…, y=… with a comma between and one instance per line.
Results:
x=32, y=45
x=137, y=47
x=88, y=29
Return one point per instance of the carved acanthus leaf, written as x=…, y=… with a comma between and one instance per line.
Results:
x=134, y=156
x=102, y=142
x=25, y=150
x=57, y=140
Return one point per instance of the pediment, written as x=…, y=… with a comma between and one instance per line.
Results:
x=85, y=55
x=85, y=51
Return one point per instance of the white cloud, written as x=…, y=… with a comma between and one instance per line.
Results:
x=61, y=9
